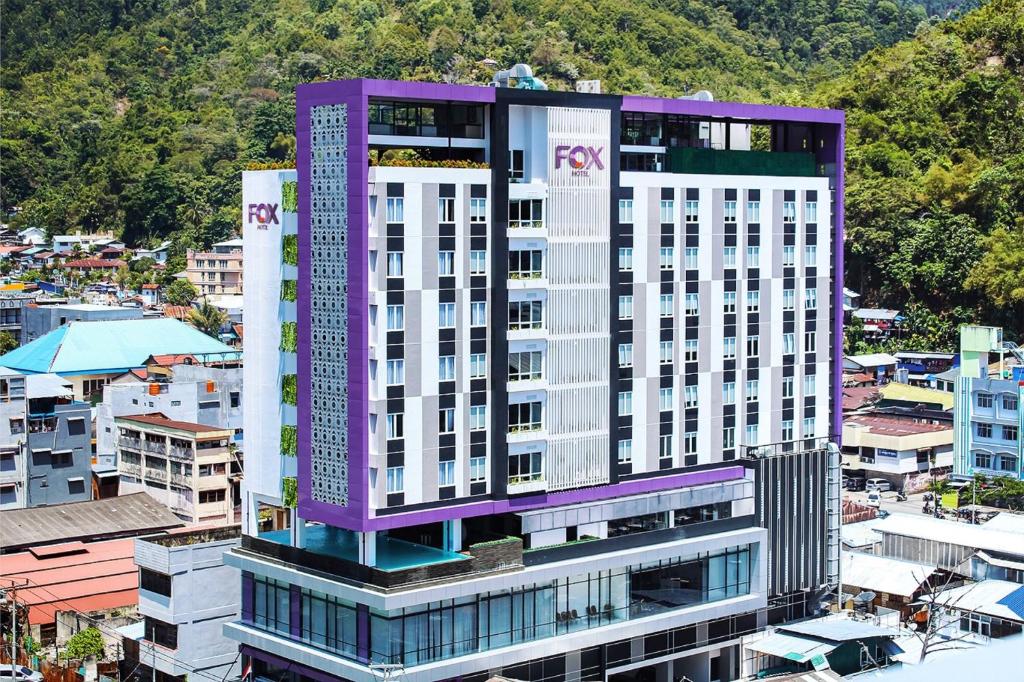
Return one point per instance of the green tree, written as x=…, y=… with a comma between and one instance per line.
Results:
x=181, y=292
x=85, y=643
x=208, y=319
x=7, y=342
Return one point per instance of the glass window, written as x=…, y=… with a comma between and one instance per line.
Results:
x=1009, y=433
x=395, y=479
x=753, y=301
x=626, y=211
x=395, y=264
x=396, y=318
x=1009, y=403
x=692, y=304
x=626, y=307
x=690, y=443
x=665, y=305
x=665, y=446
x=787, y=387
x=445, y=263
x=691, y=255
x=752, y=390
x=526, y=213
x=729, y=347
x=625, y=451
x=477, y=365
x=525, y=315
x=446, y=420
x=446, y=210
x=446, y=473
x=729, y=211
x=625, y=259
x=667, y=211
x=478, y=262
x=753, y=346
x=478, y=314
x=525, y=417
x=810, y=385
x=729, y=256
x=788, y=299
x=446, y=315
x=985, y=400
x=527, y=365
x=810, y=299
x=395, y=210
x=729, y=302
x=809, y=427
x=789, y=211
x=810, y=342
x=625, y=403
x=787, y=430
x=446, y=368
x=729, y=393
x=625, y=355
x=478, y=210
x=395, y=425
x=396, y=372
x=753, y=256
x=692, y=208
x=810, y=256
x=690, y=348
x=811, y=212
x=690, y=396
x=516, y=164
x=665, y=399
x=664, y=352
x=728, y=438
x=477, y=417
x=525, y=264
x=789, y=256
x=788, y=343
x=524, y=467
x=1007, y=463
x=477, y=469
x=753, y=211
x=666, y=255
x=751, y=434
x=271, y=604
x=984, y=430
x=982, y=460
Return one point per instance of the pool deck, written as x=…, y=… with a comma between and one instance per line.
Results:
x=392, y=554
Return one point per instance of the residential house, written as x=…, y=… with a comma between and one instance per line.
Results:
x=980, y=612
x=63, y=243
x=158, y=253
x=33, y=235
x=906, y=452
x=879, y=323
x=13, y=305
x=217, y=271
x=150, y=294
x=88, y=265
x=851, y=301
x=897, y=585
x=880, y=365
x=921, y=367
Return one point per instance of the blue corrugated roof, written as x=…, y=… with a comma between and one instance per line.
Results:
x=1014, y=601
x=106, y=346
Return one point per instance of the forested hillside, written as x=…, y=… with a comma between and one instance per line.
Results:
x=935, y=174
x=138, y=115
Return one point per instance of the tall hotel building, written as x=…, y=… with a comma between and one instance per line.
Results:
x=555, y=396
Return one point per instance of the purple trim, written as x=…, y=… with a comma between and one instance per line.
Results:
x=247, y=582
x=838, y=281
x=764, y=112
x=295, y=611
x=286, y=664
x=363, y=632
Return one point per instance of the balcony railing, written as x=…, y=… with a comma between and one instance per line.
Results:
x=131, y=469
x=182, y=453
x=158, y=447
x=131, y=443
x=156, y=475
x=181, y=480
x=526, y=224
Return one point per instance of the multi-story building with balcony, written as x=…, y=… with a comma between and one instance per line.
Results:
x=217, y=271
x=45, y=457
x=189, y=467
x=186, y=595
x=566, y=368
x=988, y=418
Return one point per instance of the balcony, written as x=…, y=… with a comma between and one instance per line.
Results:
x=527, y=280
x=520, y=485
x=182, y=453
x=131, y=469
x=181, y=480
x=130, y=443
x=157, y=447
x=156, y=475
x=521, y=433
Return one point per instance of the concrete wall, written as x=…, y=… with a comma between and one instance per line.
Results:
x=37, y=322
x=51, y=483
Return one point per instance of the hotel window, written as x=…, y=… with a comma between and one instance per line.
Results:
x=985, y=401
x=753, y=301
x=729, y=302
x=787, y=430
x=477, y=365
x=666, y=255
x=665, y=305
x=395, y=425
x=525, y=264
x=525, y=466
x=729, y=347
x=789, y=211
x=729, y=257
x=477, y=417
x=477, y=469
x=692, y=211
x=690, y=396
x=810, y=342
x=810, y=385
x=478, y=210
x=395, y=479
x=665, y=447
x=478, y=314
x=625, y=307
x=396, y=318
x=810, y=299
x=667, y=211
x=446, y=315
x=625, y=259
x=478, y=262
x=625, y=451
x=396, y=372
x=625, y=355
x=729, y=393
x=787, y=387
x=753, y=211
x=525, y=417
x=516, y=164
x=753, y=256
x=665, y=352
x=752, y=390
x=728, y=438
x=788, y=344
x=395, y=264
x=810, y=212
x=751, y=434
x=691, y=258
x=527, y=213
x=692, y=304
x=1007, y=463
x=789, y=256
x=446, y=420
x=690, y=443
x=788, y=299
x=729, y=211
x=525, y=315
x=1009, y=403
x=446, y=210
x=445, y=263
x=525, y=366
x=810, y=256
x=690, y=350
x=665, y=399
x=395, y=210
x=625, y=403
x=626, y=211
x=809, y=427
x=446, y=368
x=753, y=346
x=1009, y=433
x=446, y=473
x=983, y=460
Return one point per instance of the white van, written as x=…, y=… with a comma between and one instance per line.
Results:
x=874, y=499
x=879, y=484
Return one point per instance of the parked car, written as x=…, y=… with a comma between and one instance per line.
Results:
x=874, y=499
x=854, y=483
x=19, y=674
x=879, y=484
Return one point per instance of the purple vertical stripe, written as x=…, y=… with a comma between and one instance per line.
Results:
x=247, y=583
x=295, y=611
x=363, y=632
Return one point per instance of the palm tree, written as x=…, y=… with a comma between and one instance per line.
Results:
x=208, y=319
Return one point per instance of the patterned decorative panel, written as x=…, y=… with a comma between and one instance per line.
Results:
x=329, y=312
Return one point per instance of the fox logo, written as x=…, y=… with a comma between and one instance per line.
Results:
x=264, y=214
x=581, y=159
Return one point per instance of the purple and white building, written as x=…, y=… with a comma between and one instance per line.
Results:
x=553, y=391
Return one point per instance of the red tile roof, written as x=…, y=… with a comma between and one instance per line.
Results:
x=14, y=249
x=94, y=576
x=150, y=286
x=855, y=397
x=889, y=426
x=178, y=312
x=94, y=263
x=159, y=419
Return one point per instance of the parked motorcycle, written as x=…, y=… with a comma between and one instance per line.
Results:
x=900, y=497
x=927, y=509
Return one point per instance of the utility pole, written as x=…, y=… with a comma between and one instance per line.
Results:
x=9, y=593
